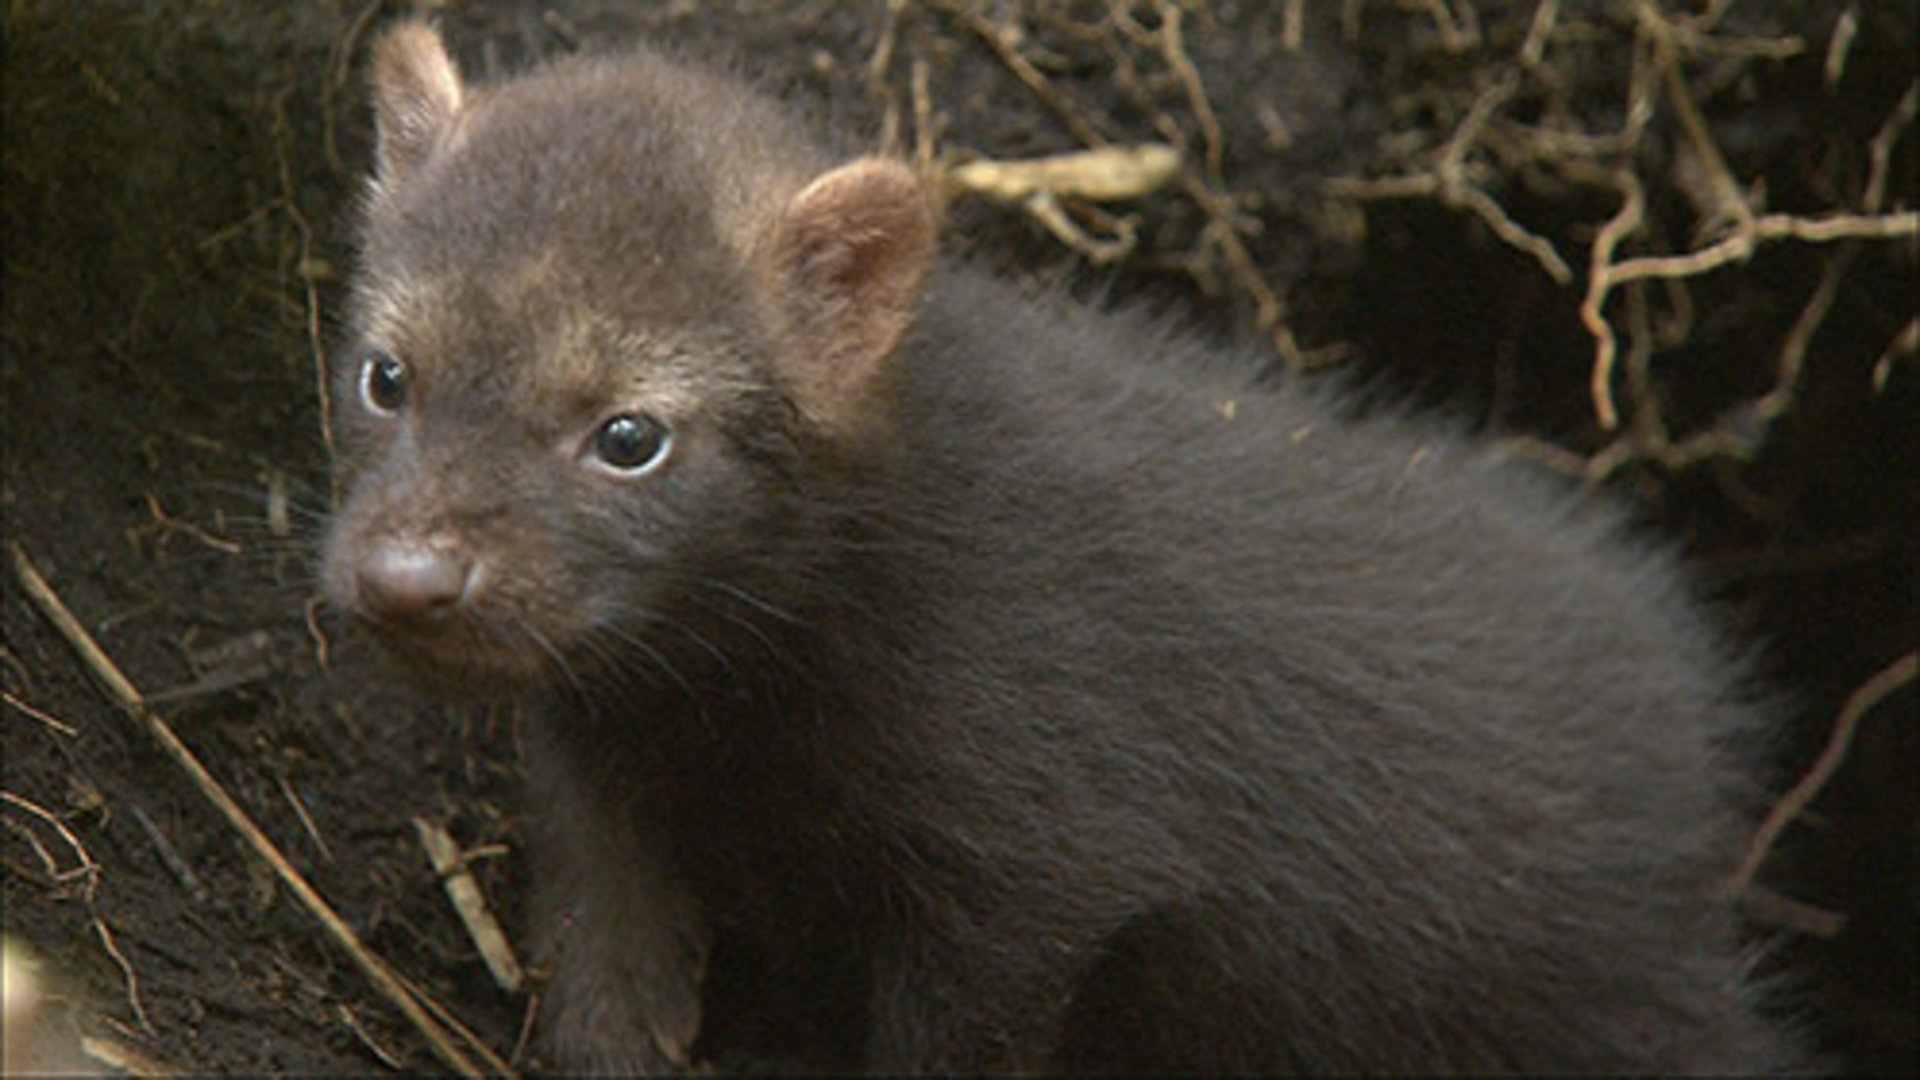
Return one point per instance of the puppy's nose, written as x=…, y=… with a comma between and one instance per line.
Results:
x=409, y=580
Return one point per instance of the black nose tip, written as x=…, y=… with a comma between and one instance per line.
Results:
x=410, y=580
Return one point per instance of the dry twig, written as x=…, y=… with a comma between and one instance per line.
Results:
x=53, y=723
x=1904, y=344
x=309, y=268
x=1741, y=244
x=1447, y=179
x=125, y=1059
x=1864, y=700
x=468, y=902
x=87, y=873
x=1725, y=208
x=1105, y=174
x=129, y=698
x=1224, y=224
x=1173, y=47
x=168, y=523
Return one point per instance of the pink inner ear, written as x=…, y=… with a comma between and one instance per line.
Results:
x=863, y=231
x=416, y=95
x=854, y=247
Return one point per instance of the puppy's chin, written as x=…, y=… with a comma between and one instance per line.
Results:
x=461, y=670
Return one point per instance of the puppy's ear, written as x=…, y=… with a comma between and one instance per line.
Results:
x=848, y=256
x=416, y=96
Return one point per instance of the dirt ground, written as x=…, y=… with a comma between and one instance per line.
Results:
x=1435, y=199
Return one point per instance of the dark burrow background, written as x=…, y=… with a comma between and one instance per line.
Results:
x=1409, y=195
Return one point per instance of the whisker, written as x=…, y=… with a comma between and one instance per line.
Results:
x=749, y=598
x=608, y=634
x=772, y=648
x=559, y=662
x=637, y=643
x=689, y=632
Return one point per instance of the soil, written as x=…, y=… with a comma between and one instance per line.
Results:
x=179, y=184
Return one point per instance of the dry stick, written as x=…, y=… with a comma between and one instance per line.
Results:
x=1730, y=203
x=1639, y=111
x=1647, y=428
x=1840, y=44
x=1447, y=180
x=1002, y=43
x=170, y=856
x=1880, y=150
x=52, y=722
x=1904, y=343
x=130, y=699
x=879, y=86
x=1739, y=431
x=468, y=902
x=1746, y=237
x=1451, y=38
x=88, y=871
x=1222, y=233
x=352, y=1023
x=1633, y=202
x=924, y=134
x=1293, y=26
x=1173, y=49
x=322, y=647
x=1457, y=191
x=1863, y=700
x=1218, y=203
x=89, y=874
x=169, y=523
x=1708, y=19
x=1793, y=351
x=1534, y=49
x=306, y=268
x=445, y=1015
x=1749, y=236
x=526, y=1025
x=306, y=819
x=340, y=54
x=1216, y=206
x=47, y=861
x=112, y=945
x=1748, y=231
x=118, y=1055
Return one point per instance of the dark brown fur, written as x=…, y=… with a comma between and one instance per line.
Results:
x=986, y=697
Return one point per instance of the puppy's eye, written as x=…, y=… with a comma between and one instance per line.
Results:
x=383, y=383
x=632, y=444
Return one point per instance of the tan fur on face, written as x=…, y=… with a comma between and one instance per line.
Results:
x=388, y=308
x=580, y=369
x=589, y=368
